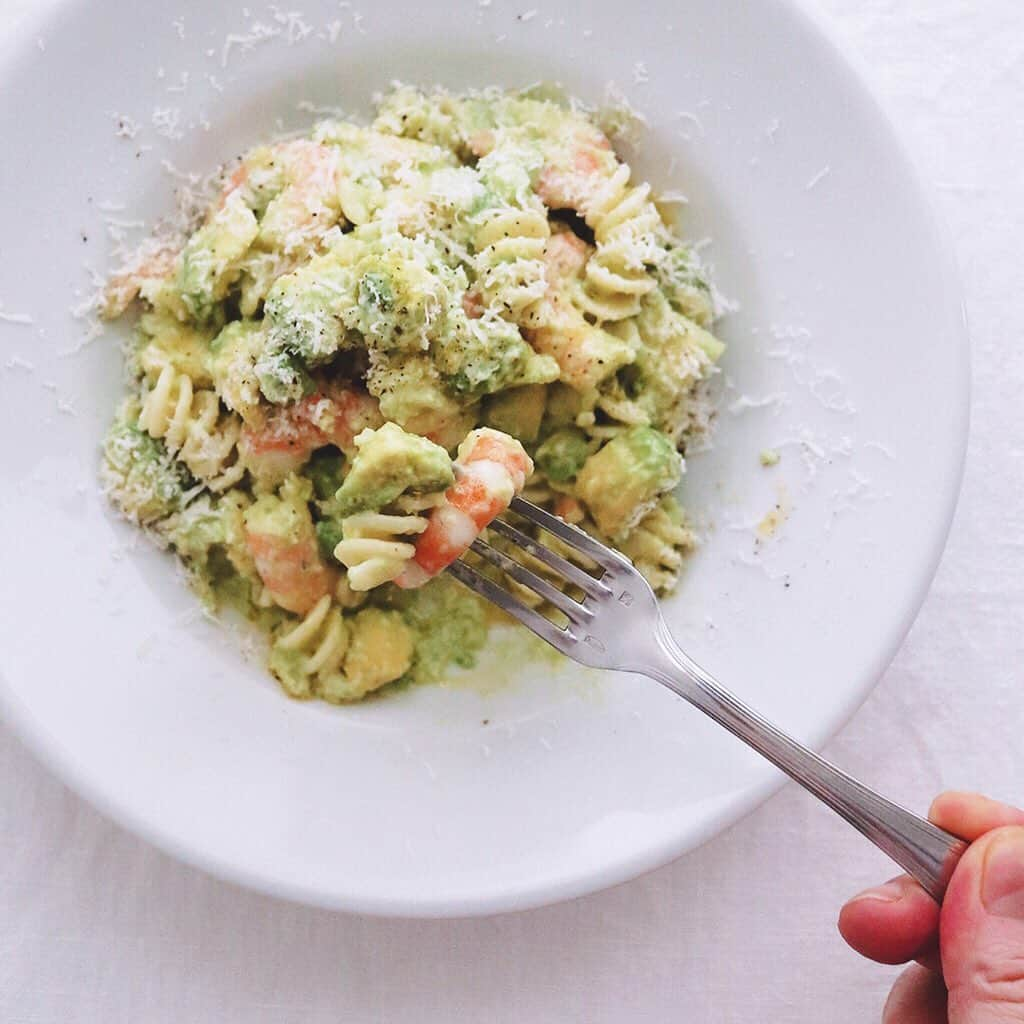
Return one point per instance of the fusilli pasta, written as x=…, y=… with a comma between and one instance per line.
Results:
x=509, y=262
x=659, y=543
x=193, y=426
x=626, y=225
x=313, y=650
x=371, y=548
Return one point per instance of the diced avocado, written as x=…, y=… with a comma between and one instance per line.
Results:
x=489, y=355
x=684, y=282
x=305, y=310
x=563, y=406
x=404, y=295
x=713, y=347
x=324, y=471
x=329, y=535
x=450, y=626
x=285, y=514
x=380, y=651
x=518, y=411
x=674, y=354
x=620, y=482
x=411, y=393
x=234, y=355
x=197, y=528
x=165, y=341
x=288, y=667
x=562, y=455
x=283, y=377
x=408, y=112
x=198, y=533
x=139, y=474
x=389, y=463
x=209, y=261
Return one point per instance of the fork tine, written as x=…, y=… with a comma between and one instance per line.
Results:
x=571, y=535
x=562, y=601
x=573, y=573
x=560, y=639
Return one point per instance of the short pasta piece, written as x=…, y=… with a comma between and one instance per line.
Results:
x=658, y=544
x=510, y=263
x=313, y=649
x=340, y=659
x=373, y=548
x=194, y=427
x=626, y=227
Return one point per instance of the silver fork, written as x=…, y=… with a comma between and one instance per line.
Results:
x=618, y=625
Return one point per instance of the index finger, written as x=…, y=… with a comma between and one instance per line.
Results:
x=971, y=815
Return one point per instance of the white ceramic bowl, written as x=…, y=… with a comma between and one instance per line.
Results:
x=529, y=783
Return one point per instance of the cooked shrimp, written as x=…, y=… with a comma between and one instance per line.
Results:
x=473, y=305
x=309, y=203
x=491, y=469
x=565, y=256
x=481, y=143
x=569, y=509
x=152, y=262
x=292, y=433
x=293, y=572
x=567, y=184
x=585, y=354
x=237, y=179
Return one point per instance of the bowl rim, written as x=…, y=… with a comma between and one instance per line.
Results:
x=54, y=758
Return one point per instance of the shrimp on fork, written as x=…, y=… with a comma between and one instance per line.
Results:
x=491, y=469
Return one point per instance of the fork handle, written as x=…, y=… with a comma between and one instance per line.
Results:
x=923, y=850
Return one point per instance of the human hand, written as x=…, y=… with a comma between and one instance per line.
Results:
x=970, y=955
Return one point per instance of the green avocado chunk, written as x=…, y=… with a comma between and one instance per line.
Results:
x=563, y=454
x=450, y=626
x=620, y=482
x=209, y=261
x=518, y=411
x=304, y=309
x=390, y=462
x=324, y=470
x=140, y=475
x=485, y=356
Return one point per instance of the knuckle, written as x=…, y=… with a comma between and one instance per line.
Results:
x=996, y=981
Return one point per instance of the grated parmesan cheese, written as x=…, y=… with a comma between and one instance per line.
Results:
x=167, y=122
x=818, y=178
x=182, y=83
x=22, y=319
x=776, y=400
x=127, y=127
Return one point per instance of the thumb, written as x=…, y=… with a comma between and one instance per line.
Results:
x=982, y=932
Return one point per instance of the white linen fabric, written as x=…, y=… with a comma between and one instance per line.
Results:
x=96, y=927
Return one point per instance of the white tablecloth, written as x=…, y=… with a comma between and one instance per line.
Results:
x=97, y=927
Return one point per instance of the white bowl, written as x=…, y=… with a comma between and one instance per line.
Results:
x=534, y=782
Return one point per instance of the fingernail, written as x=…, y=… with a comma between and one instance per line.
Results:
x=891, y=892
x=1002, y=879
